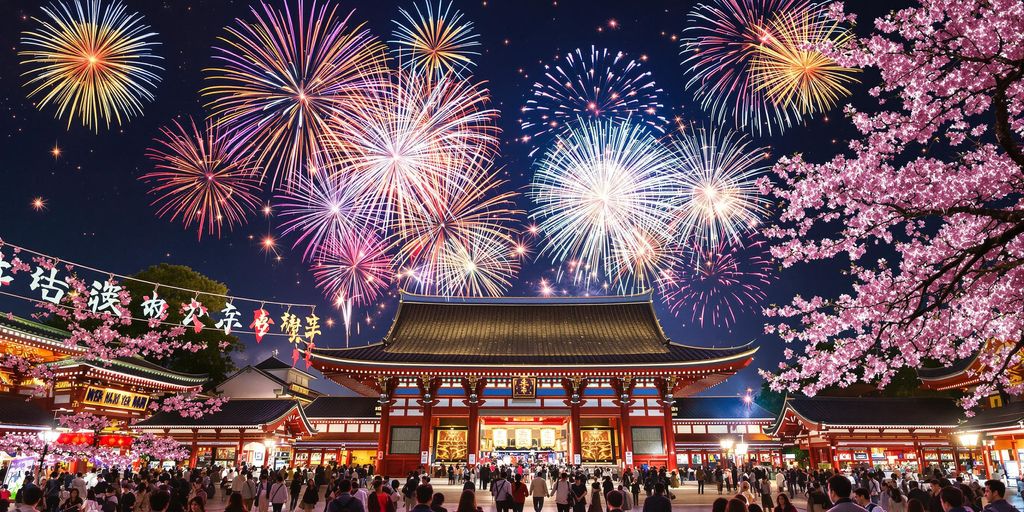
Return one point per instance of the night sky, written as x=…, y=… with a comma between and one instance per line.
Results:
x=98, y=213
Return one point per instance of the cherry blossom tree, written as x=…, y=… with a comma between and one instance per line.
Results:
x=927, y=204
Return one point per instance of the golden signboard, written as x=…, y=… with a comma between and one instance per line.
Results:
x=524, y=388
x=524, y=438
x=596, y=445
x=115, y=398
x=451, y=444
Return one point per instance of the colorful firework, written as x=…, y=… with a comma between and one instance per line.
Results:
x=413, y=142
x=322, y=210
x=713, y=284
x=719, y=46
x=200, y=179
x=283, y=75
x=90, y=60
x=435, y=40
x=789, y=67
x=462, y=242
x=602, y=85
x=603, y=192
x=716, y=196
x=355, y=268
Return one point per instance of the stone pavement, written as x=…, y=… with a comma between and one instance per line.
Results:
x=687, y=500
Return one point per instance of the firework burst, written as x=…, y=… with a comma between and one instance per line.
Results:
x=321, y=210
x=719, y=46
x=355, y=268
x=435, y=41
x=603, y=193
x=282, y=76
x=200, y=179
x=462, y=242
x=791, y=69
x=91, y=60
x=712, y=285
x=716, y=196
x=414, y=142
x=600, y=85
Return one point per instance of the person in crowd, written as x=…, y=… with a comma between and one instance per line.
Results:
x=839, y=490
x=278, y=494
x=615, y=501
x=736, y=505
x=783, y=504
x=952, y=499
x=295, y=491
x=519, y=493
x=235, y=503
x=344, y=501
x=754, y=507
x=562, y=492
x=5, y=498
x=995, y=496
x=197, y=504
x=423, y=494
x=627, y=499
x=595, y=498
x=29, y=497
x=159, y=501
x=862, y=497
x=467, y=502
x=378, y=500
x=73, y=503
x=437, y=502
x=539, y=490
x=914, y=505
x=658, y=502
x=915, y=492
x=248, y=488
x=310, y=496
x=719, y=505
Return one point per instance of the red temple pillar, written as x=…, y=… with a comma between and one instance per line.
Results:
x=428, y=388
x=624, y=388
x=241, y=445
x=474, y=388
x=574, y=388
x=194, y=453
x=385, y=386
x=667, y=388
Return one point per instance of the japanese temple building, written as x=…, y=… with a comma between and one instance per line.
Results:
x=577, y=380
x=839, y=432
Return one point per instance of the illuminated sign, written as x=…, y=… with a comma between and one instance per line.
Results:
x=115, y=398
x=524, y=437
x=500, y=438
x=547, y=438
x=524, y=388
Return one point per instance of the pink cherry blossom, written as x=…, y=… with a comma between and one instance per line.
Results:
x=927, y=205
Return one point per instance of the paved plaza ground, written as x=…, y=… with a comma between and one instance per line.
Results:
x=686, y=500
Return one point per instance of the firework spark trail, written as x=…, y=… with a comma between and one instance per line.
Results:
x=435, y=41
x=321, y=210
x=716, y=196
x=200, y=179
x=602, y=85
x=355, y=268
x=283, y=76
x=90, y=60
x=720, y=43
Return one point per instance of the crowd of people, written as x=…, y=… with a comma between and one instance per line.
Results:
x=341, y=488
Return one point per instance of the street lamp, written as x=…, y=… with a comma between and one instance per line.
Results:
x=48, y=436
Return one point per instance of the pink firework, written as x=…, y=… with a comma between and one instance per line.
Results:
x=200, y=179
x=354, y=270
x=713, y=285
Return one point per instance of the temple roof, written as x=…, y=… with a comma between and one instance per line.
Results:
x=1010, y=415
x=139, y=368
x=830, y=411
x=273, y=363
x=235, y=413
x=17, y=413
x=619, y=330
x=343, y=407
x=720, y=408
x=945, y=372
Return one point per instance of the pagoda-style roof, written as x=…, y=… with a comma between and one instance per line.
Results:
x=17, y=413
x=137, y=370
x=960, y=373
x=825, y=412
x=250, y=413
x=533, y=333
x=332, y=407
x=701, y=408
x=24, y=331
x=1007, y=417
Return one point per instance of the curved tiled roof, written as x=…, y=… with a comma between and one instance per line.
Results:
x=943, y=372
x=238, y=412
x=620, y=330
x=874, y=411
x=1009, y=415
x=139, y=367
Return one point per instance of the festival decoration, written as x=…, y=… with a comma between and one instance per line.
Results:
x=92, y=60
x=261, y=323
x=53, y=289
x=229, y=318
x=192, y=313
x=105, y=296
x=154, y=308
x=282, y=74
